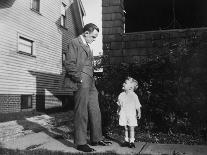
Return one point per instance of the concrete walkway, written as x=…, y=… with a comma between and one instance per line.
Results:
x=41, y=132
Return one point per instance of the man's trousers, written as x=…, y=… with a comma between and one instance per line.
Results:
x=87, y=111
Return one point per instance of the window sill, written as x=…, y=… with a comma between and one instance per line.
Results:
x=36, y=11
x=27, y=54
x=28, y=109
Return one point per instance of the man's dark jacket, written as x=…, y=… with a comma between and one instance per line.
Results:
x=78, y=63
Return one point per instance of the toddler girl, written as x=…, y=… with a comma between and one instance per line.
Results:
x=129, y=110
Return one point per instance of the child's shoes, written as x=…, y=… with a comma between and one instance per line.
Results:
x=125, y=144
x=131, y=145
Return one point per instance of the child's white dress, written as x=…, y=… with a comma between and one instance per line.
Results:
x=128, y=103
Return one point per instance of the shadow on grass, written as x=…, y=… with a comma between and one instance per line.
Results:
x=5, y=117
x=4, y=151
x=50, y=131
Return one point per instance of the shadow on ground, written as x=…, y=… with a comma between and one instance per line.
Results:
x=50, y=128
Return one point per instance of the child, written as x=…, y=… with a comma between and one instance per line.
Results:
x=129, y=108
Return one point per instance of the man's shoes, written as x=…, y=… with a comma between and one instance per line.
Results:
x=101, y=143
x=85, y=148
x=132, y=145
x=125, y=144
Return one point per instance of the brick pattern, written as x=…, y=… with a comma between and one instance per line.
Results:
x=113, y=28
x=9, y=103
x=12, y=103
x=137, y=46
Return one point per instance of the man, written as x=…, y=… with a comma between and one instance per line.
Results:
x=79, y=76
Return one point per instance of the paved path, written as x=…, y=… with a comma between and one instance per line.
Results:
x=41, y=132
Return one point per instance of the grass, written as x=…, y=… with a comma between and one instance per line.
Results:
x=5, y=117
x=117, y=133
x=4, y=151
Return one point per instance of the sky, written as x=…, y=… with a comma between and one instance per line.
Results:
x=93, y=9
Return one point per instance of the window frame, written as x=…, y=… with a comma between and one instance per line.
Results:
x=63, y=15
x=26, y=106
x=63, y=58
x=27, y=39
x=36, y=8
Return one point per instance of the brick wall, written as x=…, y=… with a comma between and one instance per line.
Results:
x=113, y=26
x=137, y=46
x=10, y=103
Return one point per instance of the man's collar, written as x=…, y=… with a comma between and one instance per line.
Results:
x=84, y=41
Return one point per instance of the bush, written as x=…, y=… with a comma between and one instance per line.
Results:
x=172, y=87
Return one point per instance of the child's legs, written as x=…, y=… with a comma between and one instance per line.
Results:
x=131, y=131
x=126, y=133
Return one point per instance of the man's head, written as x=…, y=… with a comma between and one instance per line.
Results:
x=90, y=32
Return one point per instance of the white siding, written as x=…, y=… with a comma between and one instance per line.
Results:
x=23, y=74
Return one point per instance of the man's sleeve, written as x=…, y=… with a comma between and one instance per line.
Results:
x=71, y=65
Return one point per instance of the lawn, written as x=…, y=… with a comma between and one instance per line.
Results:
x=4, y=151
x=5, y=117
x=117, y=134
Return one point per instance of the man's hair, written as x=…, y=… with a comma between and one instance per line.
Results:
x=90, y=27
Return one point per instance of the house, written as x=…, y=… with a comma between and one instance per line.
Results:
x=33, y=39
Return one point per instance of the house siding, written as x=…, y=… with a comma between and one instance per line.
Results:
x=43, y=73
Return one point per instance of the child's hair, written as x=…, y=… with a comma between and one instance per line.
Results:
x=133, y=82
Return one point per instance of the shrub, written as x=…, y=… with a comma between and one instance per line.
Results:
x=172, y=87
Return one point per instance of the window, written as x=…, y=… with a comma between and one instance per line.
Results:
x=63, y=15
x=36, y=5
x=64, y=56
x=25, y=45
x=26, y=101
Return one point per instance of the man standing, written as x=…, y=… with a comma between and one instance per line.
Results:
x=79, y=76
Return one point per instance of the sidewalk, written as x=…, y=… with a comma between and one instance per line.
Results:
x=42, y=132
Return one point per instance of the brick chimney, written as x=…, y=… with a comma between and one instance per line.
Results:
x=113, y=28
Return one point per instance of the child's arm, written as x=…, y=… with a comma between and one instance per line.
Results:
x=139, y=113
x=118, y=109
x=138, y=107
x=119, y=104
